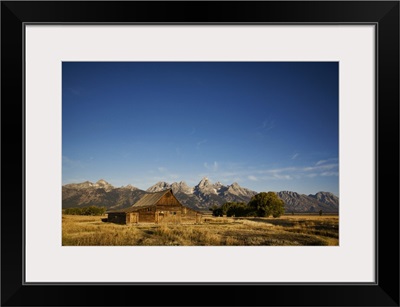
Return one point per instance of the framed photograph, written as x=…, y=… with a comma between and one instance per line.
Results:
x=219, y=153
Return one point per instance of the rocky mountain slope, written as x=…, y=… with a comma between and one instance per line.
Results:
x=100, y=193
x=205, y=194
x=295, y=202
x=201, y=197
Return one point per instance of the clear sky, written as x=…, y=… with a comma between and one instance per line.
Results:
x=269, y=126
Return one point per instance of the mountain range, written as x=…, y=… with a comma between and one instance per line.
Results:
x=200, y=197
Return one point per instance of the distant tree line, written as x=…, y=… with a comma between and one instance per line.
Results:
x=92, y=210
x=263, y=204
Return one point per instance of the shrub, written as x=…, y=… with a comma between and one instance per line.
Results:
x=92, y=210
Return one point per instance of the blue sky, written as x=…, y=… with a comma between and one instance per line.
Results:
x=269, y=126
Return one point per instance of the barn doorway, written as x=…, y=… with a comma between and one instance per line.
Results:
x=131, y=218
x=160, y=217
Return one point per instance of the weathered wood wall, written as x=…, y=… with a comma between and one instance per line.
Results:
x=167, y=210
x=174, y=212
x=132, y=217
x=168, y=200
x=147, y=215
x=171, y=217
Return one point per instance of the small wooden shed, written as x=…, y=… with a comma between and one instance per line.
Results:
x=158, y=207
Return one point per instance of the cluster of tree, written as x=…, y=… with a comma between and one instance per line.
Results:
x=263, y=204
x=232, y=209
x=92, y=210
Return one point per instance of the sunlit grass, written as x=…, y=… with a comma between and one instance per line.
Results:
x=287, y=230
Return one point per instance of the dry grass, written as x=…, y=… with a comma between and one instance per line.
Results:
x=284, y=231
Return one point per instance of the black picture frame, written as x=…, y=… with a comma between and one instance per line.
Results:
x=383, y=14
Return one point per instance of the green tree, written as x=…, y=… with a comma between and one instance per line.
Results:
x=266, y=204
x=238, y=209
x=226, y=207
x=216, y=211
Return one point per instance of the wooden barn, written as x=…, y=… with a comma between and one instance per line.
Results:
x=158, y=207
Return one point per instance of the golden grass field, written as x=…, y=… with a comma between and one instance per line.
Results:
x=288, y=230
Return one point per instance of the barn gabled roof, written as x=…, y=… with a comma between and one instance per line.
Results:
x=148, y=200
